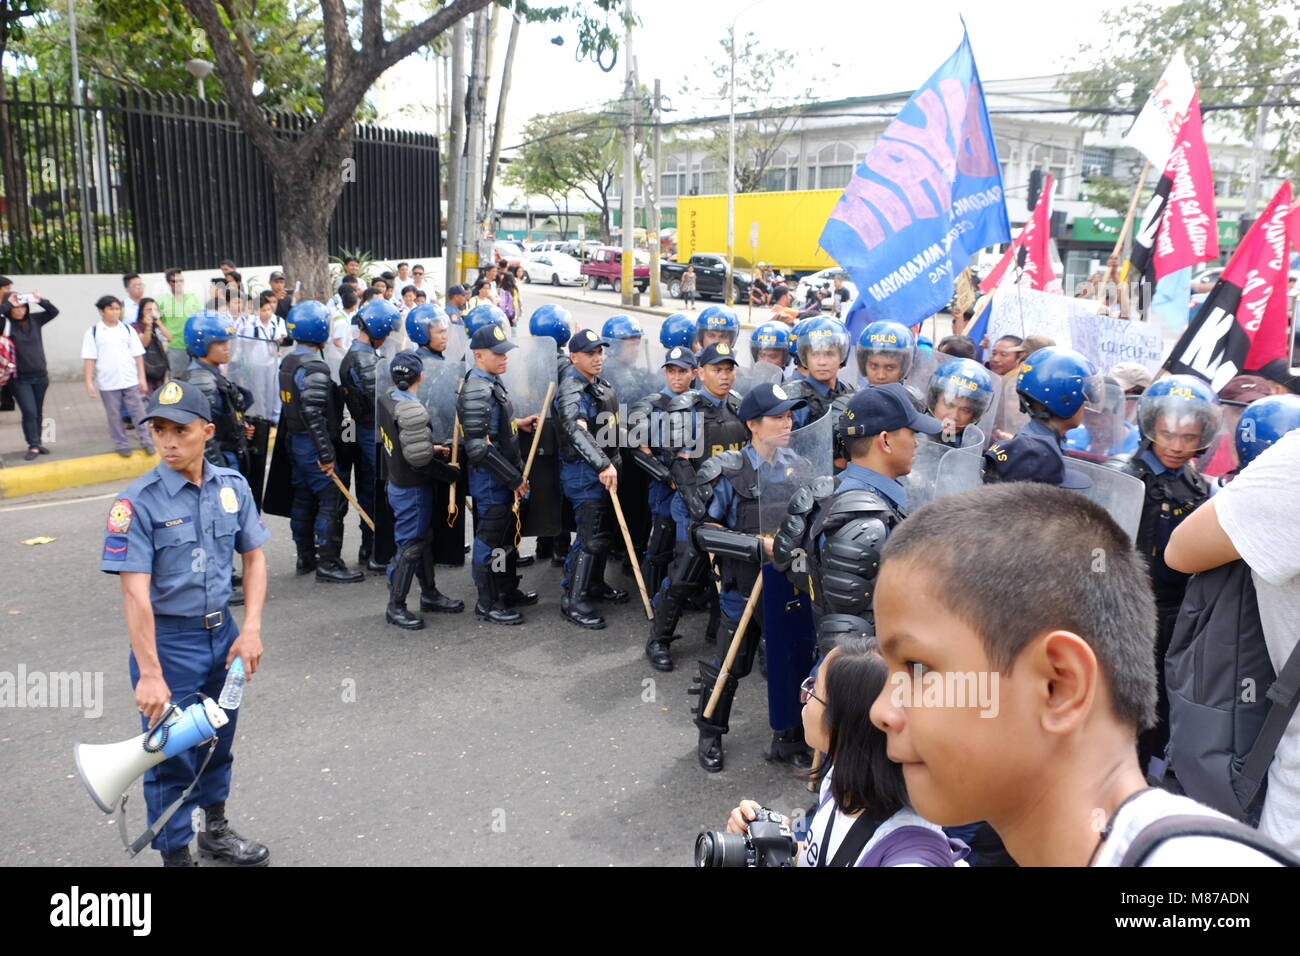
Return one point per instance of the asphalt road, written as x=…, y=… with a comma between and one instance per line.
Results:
x=361, y=744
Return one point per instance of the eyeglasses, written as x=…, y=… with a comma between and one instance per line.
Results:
x=806, y=691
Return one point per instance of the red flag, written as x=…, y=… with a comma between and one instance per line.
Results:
x=1036, y=259
x=1189, y=229
x=1243, y=322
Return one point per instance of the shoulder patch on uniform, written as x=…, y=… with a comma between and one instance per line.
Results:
x=229, y=500
x=120, y=516
x=115, y=547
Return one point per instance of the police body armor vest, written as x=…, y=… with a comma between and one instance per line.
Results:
x=360, y=402
x=400, y=472
x=737, y=574
x=843, y=567
x=1168, y=502
x=230, y=434
x=720, y=428
x=291, y=401
x=602, y=426
x=506, y=439
x=817, y=404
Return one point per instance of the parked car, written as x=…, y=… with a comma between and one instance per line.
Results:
x=823, y=280
x=710, y=276
x=553, y=267
x=509, y=250
x=605, y=265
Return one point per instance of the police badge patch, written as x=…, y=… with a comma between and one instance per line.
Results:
x=229, y=500
x=119, y=517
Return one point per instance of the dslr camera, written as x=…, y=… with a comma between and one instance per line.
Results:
x=768, y=843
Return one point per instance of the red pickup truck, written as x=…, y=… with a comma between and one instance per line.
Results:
x=605, y=265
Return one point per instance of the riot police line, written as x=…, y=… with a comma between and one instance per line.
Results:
x=767, y=479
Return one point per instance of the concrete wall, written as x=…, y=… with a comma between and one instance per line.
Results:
x=75, y=296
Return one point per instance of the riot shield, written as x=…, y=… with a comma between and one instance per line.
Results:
x=1004, y=418
x=789, y=631
x=1121, y=495
x=438, y=391
x=919, y=483
x=924, y=362
x=758, y=373
x=633, y=367
x=255, y=368
x=1104, y=434
x=959, y=470
x=529, y=370
x=458, y=342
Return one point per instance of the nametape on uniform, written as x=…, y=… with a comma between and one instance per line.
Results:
x=119, y=517
x=173, y=522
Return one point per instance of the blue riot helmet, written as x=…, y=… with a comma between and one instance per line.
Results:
x=794, y=338
x=885, y=352
x=1057, y=382
x=482, y=316
x=553, y=321
x=716, y=323
x=379, y=317
x=771, y=336
x=677, y=331
x=1263, y=422
x=424, y=318
x=823, y=335
x=960, y=389
x=1179, y=413
x=621, y=327
x=204, y=328
x=309, y=322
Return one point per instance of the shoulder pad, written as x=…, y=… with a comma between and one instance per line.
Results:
x=200, y=376
x=475, y=387
x=723, y=463
x=856, y=501
x=796, y=388
x=808, y=495
x=683, y=402
x=570, y=386
x=843, y=388
x=410, y=414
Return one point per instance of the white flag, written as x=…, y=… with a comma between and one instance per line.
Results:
x=1156, y=128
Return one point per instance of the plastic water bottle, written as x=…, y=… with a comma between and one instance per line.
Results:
x=233, y=692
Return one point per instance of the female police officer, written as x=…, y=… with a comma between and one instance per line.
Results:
x=171, y=536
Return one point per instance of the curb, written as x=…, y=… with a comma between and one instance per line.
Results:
x=22, y=480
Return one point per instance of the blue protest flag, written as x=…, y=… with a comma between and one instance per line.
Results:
x=1171, y=299
x=926, y=198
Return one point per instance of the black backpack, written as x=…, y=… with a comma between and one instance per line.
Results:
x=1227, y=708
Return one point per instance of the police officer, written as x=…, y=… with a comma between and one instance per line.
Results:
x=375, y=323
x=885, y=352
x=1179, y=416
x=1261, y=425
x=730, y=530
x=496, y=479
x=182, y=634
x=208, y=337
x=839, y=526
x=546, y=505
x=716, y=324
x=677, y=331
x=428, y=328
x=1054, y=385
x=959, y=394
x=411, y=461
x=714, y=424
x=770, y=342
x=586, y=414
x=627, y=370
x=651, y=423
x=823, y=349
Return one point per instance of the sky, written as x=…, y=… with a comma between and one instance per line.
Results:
x=879, y=48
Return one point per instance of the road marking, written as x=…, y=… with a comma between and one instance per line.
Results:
x=66, y=501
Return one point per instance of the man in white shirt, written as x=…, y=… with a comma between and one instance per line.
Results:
x=260, y=336
x=342, y=332
x=134, y=286
x=1254, y=518
x=114, y=369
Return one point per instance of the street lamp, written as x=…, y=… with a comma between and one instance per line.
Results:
x=199, y=69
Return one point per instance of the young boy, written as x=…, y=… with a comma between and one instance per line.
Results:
x=114, y=367
x=1060, y=644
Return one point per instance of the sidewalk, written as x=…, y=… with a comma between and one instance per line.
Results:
x=81, y=452
x=607, y=299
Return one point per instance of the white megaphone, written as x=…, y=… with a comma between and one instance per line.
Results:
x=108, y=769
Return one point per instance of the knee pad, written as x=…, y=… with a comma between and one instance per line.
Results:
x=494, y=526
x=593, y=528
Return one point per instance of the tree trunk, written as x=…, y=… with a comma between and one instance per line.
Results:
x=15, y=173
x=307, y=190
x=494, y=153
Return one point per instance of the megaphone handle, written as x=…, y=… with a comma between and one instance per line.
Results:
x=145, y=838
x=163, y=727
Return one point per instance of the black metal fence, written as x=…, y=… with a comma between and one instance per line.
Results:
x=173, y=181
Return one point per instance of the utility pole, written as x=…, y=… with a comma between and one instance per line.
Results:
x=629, y=160
x=652, y=210
x=455, y=146
x=495, y=154
x=88, y=250
x=474, y=145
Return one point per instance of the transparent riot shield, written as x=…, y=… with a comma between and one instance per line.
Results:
x=959, y=470
x=919, y=483
x=1121, y=495
x=924, y=362
x=458, y=342
x=789, y=631
x=757, y=373
x=1004, y=419
x=438, y=391
x=633, y=367
x=1107, y=433
x=529, y=370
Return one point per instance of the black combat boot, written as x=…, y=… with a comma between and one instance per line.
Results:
x=366, y=554
x=218, y=841
x=329, y=563
x=788, y=747
x=709, y=747
x=545, y=548
x=490, y=606
x=398, y=588
x=431, y=599
x=512, y=594
x=598, y=590
x=574, y=604
x=559, y=549
x=306, y=557
x=179, y=857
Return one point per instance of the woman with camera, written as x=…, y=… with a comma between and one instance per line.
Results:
x=862, y=816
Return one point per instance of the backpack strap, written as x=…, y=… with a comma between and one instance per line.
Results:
x=1153, y=835
x=1283, y=695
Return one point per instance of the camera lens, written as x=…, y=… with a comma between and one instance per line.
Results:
x=718, y=848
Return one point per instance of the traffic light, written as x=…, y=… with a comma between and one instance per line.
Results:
x=1035, y=187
